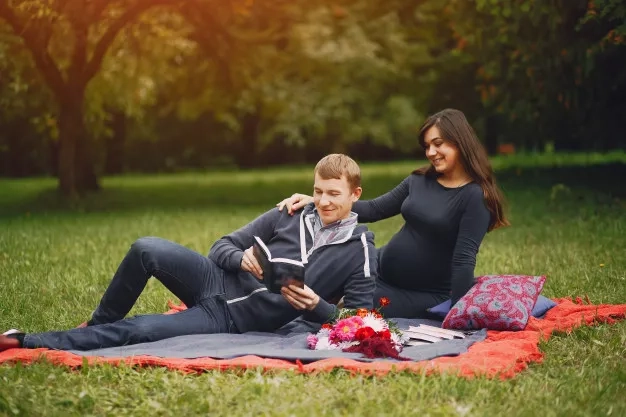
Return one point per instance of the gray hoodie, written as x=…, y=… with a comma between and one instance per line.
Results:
x=345, y=267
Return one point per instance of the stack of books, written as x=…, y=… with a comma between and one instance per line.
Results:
x=426, y=335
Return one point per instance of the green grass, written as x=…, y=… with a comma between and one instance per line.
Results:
x=56, y=258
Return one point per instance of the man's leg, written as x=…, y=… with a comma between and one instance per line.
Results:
x=187, y=274
x=209, y=316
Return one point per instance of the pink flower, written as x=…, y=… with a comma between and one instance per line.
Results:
x=311, y=341
x=345, y=329
x=357, y=320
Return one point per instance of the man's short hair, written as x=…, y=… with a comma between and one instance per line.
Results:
x=335, y=165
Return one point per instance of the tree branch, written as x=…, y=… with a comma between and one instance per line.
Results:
x=114, y=28
x=79, y=55
x=43, y=61
x=198, y=16
x=97, y=7
x=61, y=5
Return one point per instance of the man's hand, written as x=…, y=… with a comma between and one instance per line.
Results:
x=300, y=298
x=250, y=264
x=294, y=203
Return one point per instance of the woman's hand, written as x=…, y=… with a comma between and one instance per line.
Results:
x=294, y=203
x=250, y=264
x=300, y=298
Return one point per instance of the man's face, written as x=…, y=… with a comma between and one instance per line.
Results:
x=333, y=198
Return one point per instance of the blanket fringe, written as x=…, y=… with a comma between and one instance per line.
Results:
x=502, y=355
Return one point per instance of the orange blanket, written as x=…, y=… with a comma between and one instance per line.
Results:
x=501, y=355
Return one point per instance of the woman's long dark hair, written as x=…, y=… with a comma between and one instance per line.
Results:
x=454, y=128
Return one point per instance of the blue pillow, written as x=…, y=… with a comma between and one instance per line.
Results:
x=541, y=307
x=441, y=309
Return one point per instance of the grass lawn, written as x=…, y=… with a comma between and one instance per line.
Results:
x=569, y=222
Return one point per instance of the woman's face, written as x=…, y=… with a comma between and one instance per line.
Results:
x=443, y=155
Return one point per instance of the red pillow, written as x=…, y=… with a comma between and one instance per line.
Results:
x=496, y=302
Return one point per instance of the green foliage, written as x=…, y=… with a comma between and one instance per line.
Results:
x=540, y=63
x=27, y=126
x=193, y=83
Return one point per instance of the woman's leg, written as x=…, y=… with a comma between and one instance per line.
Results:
x=209, y=316
x=406, y=303
x=187, y=274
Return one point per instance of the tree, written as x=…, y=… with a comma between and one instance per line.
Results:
x=68, y=41
x=296, y=75
x=27, y=127
x=540, y=67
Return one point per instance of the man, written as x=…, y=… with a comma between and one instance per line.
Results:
x=224, y=292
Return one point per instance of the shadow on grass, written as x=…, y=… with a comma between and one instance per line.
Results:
x=197, y=193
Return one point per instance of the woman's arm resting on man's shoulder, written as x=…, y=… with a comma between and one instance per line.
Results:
x=294, y=203
x=383, y=207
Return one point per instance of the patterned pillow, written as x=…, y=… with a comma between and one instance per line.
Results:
x=542, y=306
x=496, y=302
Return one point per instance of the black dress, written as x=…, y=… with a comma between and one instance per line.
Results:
x=432, y=257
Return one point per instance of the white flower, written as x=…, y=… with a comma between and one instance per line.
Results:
x=397, y=342
x=323, y=343
x=323, y=333
x=377, y=324
x=344, y=345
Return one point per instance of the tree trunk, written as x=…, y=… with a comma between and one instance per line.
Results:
x=70, y=119
x=114, y=162
x=76, y=168
x=86, y=177
x=11, y=158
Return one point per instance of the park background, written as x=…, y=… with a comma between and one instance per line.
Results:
x=186, y=119
x=95, y=88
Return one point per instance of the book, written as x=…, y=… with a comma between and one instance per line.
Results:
x=439, y=336
x=277, y=272
x=416, y=343
x=424, y=334
x=421, y=336
x=438, y=331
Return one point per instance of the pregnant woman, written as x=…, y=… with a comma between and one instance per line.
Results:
x=448, y=207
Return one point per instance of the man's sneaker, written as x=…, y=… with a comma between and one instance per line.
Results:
x=9, y=342
x=12, y=331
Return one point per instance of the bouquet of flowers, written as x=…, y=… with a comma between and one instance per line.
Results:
x=360, y=330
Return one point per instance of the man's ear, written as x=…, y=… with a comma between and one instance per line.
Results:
x=356, y=194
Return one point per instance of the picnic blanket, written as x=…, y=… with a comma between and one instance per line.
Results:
x=292, y=347
x=501, y=354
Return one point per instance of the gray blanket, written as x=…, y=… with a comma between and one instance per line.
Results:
x=290, y=346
